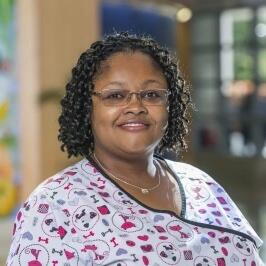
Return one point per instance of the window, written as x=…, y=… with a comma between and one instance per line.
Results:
x=229, y=86
x=229, y=81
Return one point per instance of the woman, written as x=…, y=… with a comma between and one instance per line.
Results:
x=122, y=204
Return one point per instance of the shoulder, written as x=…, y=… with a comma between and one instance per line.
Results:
x=57, y=194
x=183, y=169
x=72, y=176
x=46, y=215
x=205, y=193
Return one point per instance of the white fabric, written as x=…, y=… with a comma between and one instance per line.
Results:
x=81, y=217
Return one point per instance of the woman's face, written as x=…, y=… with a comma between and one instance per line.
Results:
x=134, y=128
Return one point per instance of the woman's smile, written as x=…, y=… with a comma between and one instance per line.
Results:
x=134, y=125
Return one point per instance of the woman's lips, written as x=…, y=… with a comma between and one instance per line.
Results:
x=133, y=127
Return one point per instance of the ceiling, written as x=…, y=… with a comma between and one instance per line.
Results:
x=197, y=5
x=213, y=4
x=223, y=3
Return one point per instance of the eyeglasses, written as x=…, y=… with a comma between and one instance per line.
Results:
x=120, y=97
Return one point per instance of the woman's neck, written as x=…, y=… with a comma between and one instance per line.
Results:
x=137, y=169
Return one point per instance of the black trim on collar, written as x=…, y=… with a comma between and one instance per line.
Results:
x=181, y=217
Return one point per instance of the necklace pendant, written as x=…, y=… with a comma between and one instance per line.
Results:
x=144, y=190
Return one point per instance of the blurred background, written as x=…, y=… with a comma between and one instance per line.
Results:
x=221, y=47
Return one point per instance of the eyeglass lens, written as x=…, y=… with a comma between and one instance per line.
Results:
x=121, y=97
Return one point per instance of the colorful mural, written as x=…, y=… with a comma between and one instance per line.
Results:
x=9, y=124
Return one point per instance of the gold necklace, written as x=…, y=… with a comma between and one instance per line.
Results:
x=143, y=190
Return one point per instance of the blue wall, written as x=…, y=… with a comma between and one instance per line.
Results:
x=135, y=19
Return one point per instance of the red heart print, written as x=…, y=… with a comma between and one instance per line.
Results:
x=224, y=250
x=146, y=248
x=144, y=237
x=130, y=243
x=143, y=211
x=145, y=260
x=211, y=234
x=163, y=237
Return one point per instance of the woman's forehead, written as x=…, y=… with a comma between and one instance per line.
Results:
x=121, y=61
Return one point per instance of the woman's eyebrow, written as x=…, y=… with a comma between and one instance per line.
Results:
x=146, y=82
x=123, y=84
x=117, y=83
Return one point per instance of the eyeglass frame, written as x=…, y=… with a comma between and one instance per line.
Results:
x=129, y=96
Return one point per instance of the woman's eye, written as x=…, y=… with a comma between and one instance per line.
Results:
x=151, y=94
x=115, y=95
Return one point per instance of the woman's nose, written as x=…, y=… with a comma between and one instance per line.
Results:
x=134, y=104
x=134, y=96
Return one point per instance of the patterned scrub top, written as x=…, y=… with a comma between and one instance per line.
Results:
x=82, y=217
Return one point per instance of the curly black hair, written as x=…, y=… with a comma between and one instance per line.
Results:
x=75, y=131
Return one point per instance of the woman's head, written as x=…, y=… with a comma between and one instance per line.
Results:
x=77, y=127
